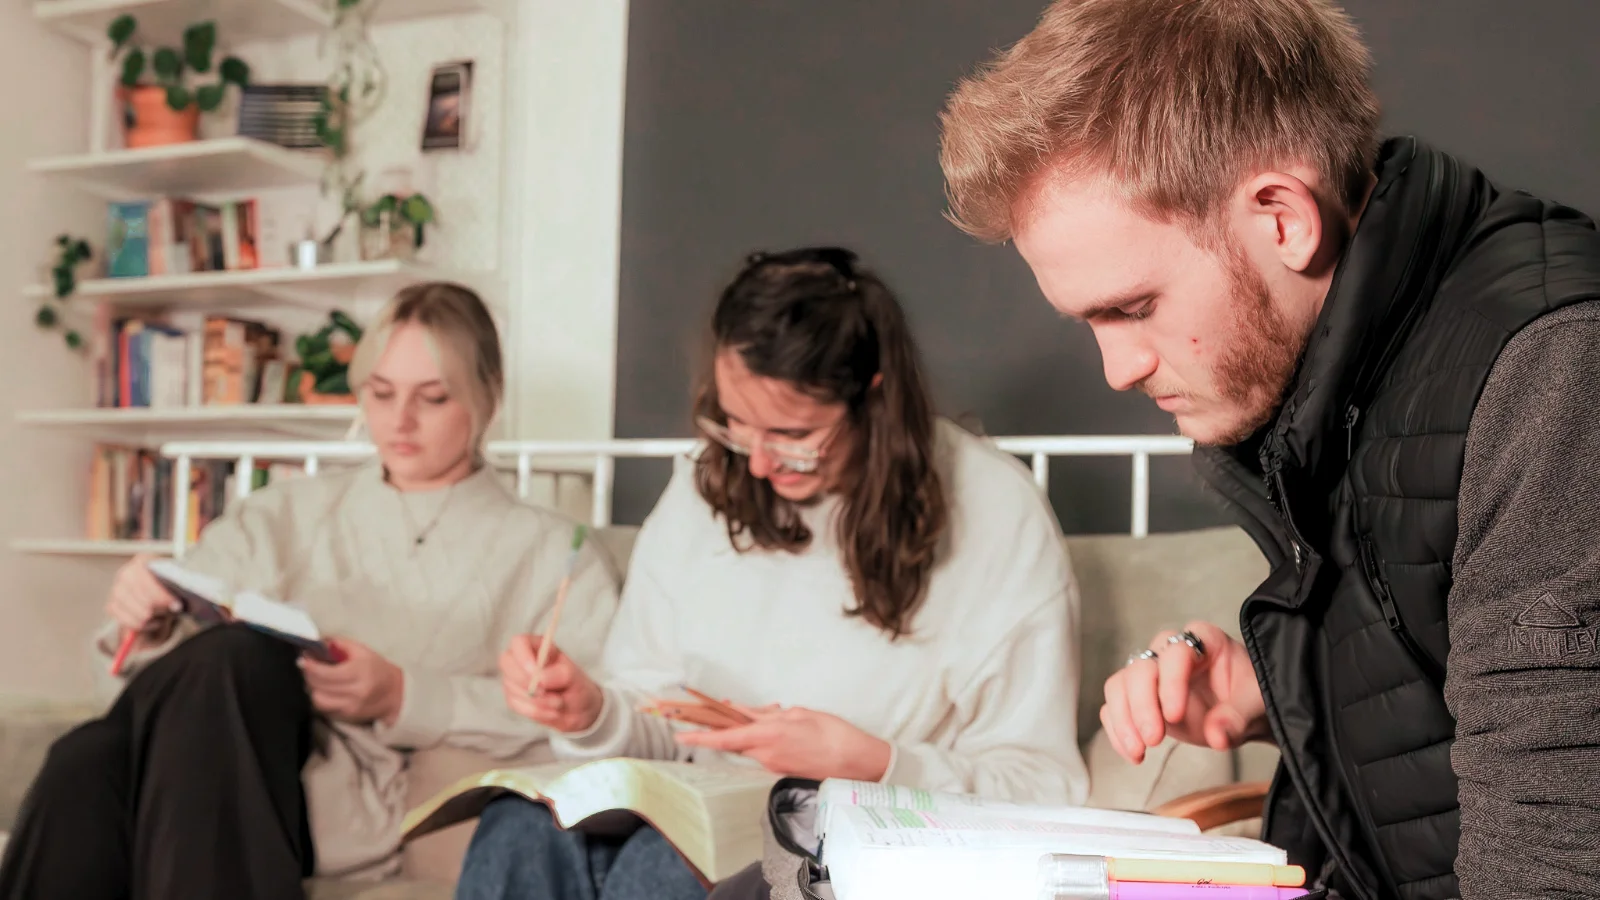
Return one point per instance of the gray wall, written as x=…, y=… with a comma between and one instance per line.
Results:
x=760, y=125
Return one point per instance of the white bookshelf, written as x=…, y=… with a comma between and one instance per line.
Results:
x=319, y=287
x=67, y=547
x=163, y=21
x=149, y=427
x=232, y=165
x=236, y=166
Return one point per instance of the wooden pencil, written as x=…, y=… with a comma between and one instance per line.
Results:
x=555, y=612
x=718, y=705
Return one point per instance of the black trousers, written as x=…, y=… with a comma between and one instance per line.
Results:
x=188, y=788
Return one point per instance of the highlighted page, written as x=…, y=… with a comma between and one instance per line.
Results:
x=836, y=793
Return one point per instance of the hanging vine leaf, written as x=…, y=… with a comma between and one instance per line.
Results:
x=178, y=97
x=209, y=97
x=45, y=317
x=74, y=339
x=132, y=67
x=199, y=40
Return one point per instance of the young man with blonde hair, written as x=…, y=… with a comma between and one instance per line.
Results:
x=1393, y=366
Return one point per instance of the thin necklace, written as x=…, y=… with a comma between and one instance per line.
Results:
x=419, y=536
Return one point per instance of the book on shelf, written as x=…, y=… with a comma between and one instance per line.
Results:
x=878, y=842
x=145, y=362
x=131, y=493
x=711, y=813
x=179, y=236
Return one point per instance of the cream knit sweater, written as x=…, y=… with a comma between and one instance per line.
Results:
x=981, y=697
x=341, y=545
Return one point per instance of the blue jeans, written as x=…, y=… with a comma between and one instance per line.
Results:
x=518, y=853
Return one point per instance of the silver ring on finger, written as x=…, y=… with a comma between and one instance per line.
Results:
x=1140, y=656
x=1188, y=637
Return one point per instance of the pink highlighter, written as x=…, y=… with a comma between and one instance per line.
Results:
x=1154, y=890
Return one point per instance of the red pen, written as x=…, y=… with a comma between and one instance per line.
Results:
x=128, y=640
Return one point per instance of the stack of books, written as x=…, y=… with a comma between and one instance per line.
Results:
x=131, y=493
x=146, y=361
x=176, y=236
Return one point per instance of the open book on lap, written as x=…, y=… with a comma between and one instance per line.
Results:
x=214, y=602
x=711, y=814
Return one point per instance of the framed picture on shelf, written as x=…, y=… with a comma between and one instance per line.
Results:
x=449, y=102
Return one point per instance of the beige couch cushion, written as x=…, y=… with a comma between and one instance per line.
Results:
x=1131, y=588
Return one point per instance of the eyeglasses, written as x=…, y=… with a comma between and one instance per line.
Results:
x=794, y=457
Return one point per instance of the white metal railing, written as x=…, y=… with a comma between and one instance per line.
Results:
x=597, y=461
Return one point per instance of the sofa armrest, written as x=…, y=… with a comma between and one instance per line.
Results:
x=1223, y=804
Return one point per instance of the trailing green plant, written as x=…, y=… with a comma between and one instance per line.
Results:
x=169, y=66
x=413, y=211
x=357, y=82
x=70, y=253
x=326, y=356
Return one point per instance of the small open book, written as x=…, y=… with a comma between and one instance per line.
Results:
x=212, y=601
x=712, y=814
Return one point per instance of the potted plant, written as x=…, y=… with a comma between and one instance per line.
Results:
x=164, y=106
x=325, y=356
x=394, y=226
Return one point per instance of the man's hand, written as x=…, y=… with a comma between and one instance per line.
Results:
x=1210, y=699
x=563, y=697
x=800, y=742
x=364, y=688
x=138, y=602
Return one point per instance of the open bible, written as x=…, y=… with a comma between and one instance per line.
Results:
x=879, y=842
x=212, y=601
x=711, y=814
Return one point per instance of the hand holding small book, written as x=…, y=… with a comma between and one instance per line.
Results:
x=800, y=742
x=363, y=688
x=139, y=603
x=559, y=696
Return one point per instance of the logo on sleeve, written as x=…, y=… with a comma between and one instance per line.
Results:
x=1547, y=612
x=1548, y=629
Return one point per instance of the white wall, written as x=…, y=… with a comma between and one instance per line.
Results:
x=566, y=73
x=49, y=606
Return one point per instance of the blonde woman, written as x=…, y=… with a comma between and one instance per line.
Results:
x=231, y=767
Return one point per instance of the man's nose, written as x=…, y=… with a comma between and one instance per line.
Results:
x=1126, y=360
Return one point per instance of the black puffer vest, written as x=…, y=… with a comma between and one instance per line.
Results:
x=1351, y=494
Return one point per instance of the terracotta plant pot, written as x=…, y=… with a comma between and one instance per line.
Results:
x=310, y=397
x=152, y=123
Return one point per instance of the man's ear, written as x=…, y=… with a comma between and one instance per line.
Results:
x=1283, y=216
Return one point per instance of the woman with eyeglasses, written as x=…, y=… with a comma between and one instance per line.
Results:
x=887, y=595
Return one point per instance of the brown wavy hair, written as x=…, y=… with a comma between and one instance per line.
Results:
x=813, y=318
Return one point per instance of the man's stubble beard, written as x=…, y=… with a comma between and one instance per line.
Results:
x=1260, y=357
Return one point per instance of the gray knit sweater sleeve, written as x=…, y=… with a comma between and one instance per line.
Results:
x=1524, y=669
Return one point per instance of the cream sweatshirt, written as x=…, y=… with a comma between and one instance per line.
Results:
x=981, y=697
x=342, y=546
